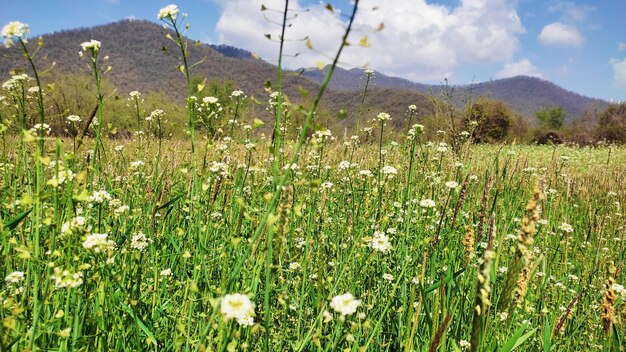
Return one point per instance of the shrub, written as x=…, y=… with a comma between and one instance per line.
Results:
x=549, y=137
x=612, y=124
x=493, y=120
x=551, y=117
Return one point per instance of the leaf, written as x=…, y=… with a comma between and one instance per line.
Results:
x=329, y=7
x=28, y=137
x=320, y=65
x=268, y=36
x=547, y=340
x=16, y=220
x=521, y=340
x=263, y=8
x=517, y=339
x=308, y=43
x=143, y=326
x=455, y=347
x=170, y=202
x=364, y=43
x=65, y=332
x=447, y=280
x=257, y=123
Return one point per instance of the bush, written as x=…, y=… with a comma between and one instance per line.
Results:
x=549, y=137
x=612, y=124
x=551, y=117
x=493, y=120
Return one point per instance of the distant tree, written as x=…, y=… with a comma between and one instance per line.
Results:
x=612, y=124
x=551, y=117
x=582, y=130
x=489, y=120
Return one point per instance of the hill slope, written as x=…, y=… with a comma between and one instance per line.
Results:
x=523, y=94
x=143, y=59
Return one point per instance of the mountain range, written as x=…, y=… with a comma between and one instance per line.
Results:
x=142, y=58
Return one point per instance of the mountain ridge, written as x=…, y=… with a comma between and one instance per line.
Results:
x=143, y=59
x=540, y=93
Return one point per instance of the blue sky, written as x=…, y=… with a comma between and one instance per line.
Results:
x=580, y=45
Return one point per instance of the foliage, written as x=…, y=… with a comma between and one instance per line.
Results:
x=492, y=120
x=551, y=117
x=166, y=294
x=548, y=137
x=612, y=124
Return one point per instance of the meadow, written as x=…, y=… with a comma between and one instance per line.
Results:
x=237, y=240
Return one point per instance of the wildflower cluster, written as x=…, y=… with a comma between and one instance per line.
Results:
x=15, y=31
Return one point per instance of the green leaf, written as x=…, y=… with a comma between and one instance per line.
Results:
x=517, y=339
x=16, y=220
x=143, y=326
x=447, y=280
x=257, y=123
x=170, y=202
x=547, y=339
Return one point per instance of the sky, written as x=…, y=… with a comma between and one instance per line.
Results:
x=577, y=44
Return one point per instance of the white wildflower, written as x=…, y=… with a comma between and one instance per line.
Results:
x=14, y=278
x=139, y=241
x=98, y=242
x=380, y=242
x=239, y=307
x=345, y=304
x=66, y=279
x=427, y=203
x=92, y=46
x=14, y=30
x=168, y=12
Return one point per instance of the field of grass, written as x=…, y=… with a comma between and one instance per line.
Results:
x=231, y=240
x=406, y=236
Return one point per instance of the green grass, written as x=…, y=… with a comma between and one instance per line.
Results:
x=124, y=303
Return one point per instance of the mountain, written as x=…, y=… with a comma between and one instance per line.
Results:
x=523, y=94
x=232, y=51
x=143, y=59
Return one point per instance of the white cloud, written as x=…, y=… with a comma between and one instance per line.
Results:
x=570, y=11
x=522, y=67
x=621, y=46
x=559, y=34
x=619, y=72
x=421, y=41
